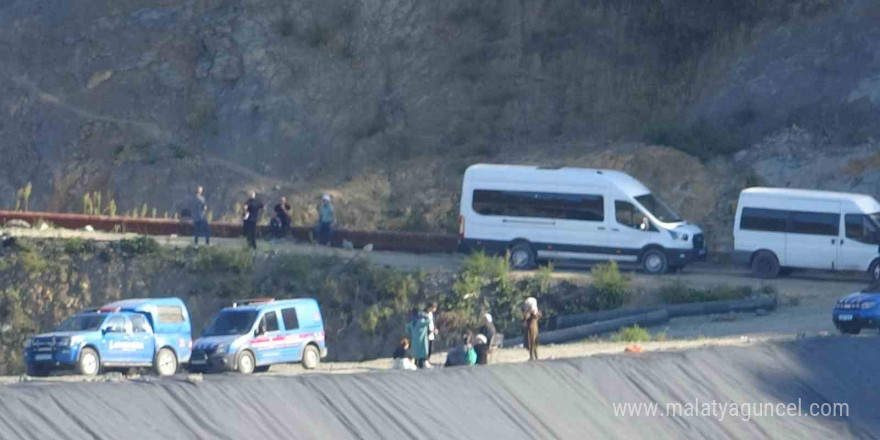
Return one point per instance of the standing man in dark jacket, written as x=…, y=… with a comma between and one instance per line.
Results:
x=201, y=228
x=282, y=211
x=251, y=216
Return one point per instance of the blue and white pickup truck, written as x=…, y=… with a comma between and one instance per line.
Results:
x=149, y=332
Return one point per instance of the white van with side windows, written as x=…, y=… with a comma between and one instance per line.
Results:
x=780, y=228
x=534, y=213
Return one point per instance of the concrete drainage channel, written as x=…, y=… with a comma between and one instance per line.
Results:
x=580, y=326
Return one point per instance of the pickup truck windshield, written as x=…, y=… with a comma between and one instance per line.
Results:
x=658, y=209
x=231, y=322
x=80, y=323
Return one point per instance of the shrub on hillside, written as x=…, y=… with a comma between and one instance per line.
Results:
x=609, y=288
x=140, y=245
x=681, y=292
x=631, y=334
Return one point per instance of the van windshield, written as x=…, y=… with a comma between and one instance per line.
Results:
x=80, y=323
x=231, y=322
x=658, y=209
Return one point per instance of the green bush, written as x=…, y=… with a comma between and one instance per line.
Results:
x=609, y=288
x=631, y=334
x=486, y=266
x=140, y=245
x=216, y=260
x=33, y=263
x=681, y=292
x=78, y=246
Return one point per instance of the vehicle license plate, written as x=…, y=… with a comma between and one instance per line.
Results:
x=43, y=357
x=844, y=317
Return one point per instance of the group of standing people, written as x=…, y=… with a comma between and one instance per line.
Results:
x=251, y=210
x=414, y=352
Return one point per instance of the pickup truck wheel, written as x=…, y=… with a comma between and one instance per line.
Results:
x=89, y=364
x=311, y=357
x=37, y=370
x=246, y=364
x=165, y=363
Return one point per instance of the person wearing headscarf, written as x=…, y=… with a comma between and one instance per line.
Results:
x=418, y=331
x=531, y=315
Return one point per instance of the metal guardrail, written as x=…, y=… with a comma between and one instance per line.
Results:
x=415, y=242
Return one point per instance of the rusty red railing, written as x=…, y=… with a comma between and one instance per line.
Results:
x=381, y=240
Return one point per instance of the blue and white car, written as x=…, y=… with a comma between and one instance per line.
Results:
x=858, y=310
x=254, y=334
x=150, y=332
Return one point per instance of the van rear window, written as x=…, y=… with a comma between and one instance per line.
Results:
x=588, y=207
x=757, y=219
x=169, y=314
x=796, y=222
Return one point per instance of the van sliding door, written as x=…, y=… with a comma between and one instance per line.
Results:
x=813, y=237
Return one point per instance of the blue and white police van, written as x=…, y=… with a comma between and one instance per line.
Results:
x=148, y=332
x=254, y=334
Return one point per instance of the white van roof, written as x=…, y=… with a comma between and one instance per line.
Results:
x=585, y=176
x=864, y=202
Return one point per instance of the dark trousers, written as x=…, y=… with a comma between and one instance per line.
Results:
x=325, y=234
x=285, y=227
x=430, y=348
x=420, y=363
x=250, y=231
x=201, y=228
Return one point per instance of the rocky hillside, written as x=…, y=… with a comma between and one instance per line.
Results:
x=384, y=103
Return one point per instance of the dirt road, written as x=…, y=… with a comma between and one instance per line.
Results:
x=806, y=298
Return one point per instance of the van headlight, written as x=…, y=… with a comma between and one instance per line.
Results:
x=678, y=235
x=63, y=341
x=222, y=348
x=869, y=305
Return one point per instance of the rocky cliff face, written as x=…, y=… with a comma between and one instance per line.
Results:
x=384, y=103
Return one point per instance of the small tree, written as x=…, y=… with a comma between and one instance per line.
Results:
x=111, y=208
x=154, y=213
x=96, y=209
x=87, y=204
x=144, y=211
x=26, y=194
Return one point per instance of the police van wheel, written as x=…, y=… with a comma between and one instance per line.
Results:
x=246, y=364
x=522, y=256
x=311, y=357
x=165, y=363
x=654, y=262
x=89, y=364
x=765, y=265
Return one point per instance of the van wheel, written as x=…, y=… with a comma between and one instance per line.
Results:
x=165, y=363
x=311, y=357
x=246, y=363
x=875, y=270
x=765, y=265
x=654, y=262
x=522, y=256
x=89, y=364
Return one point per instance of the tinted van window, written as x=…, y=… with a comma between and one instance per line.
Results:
x=759, y=219
x=289, y=317
x=139, y=324
x=815, y=223
x=862, y=228
x=587, y=207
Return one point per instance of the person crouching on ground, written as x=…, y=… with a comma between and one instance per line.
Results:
x=418, y=331
x=402, y=359
x=531, y=315
x=481, y=347
x=464, y=354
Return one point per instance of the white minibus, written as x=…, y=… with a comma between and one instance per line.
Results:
x=780, y=228
x=533, y=213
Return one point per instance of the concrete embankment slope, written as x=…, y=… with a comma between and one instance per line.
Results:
x=566, y=399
